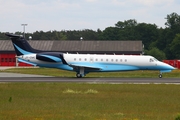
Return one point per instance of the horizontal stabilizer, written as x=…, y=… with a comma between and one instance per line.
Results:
x=24, y=61
x=13, y=35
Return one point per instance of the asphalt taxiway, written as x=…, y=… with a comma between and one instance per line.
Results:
x=13, y=77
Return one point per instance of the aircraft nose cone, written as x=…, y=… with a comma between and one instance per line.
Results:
x=170, y=67
x=173, y=68
x=166, y=68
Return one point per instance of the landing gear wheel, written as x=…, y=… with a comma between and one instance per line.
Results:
x=78, y=75
x=160, y=75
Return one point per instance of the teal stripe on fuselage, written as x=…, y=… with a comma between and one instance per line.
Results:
x=106, y=67
x=110, y=67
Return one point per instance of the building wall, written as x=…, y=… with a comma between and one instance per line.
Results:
x=174, y=63
x=7, y=53
x=9, y=59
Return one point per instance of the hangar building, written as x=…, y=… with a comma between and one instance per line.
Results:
x=8, y=56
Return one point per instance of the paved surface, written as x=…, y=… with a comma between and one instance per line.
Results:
x=12, y=77
x=4, y=68
x=15, y=75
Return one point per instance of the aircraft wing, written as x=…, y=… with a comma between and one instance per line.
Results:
x=86, y=66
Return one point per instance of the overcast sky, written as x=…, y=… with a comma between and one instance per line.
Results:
x=81, y=14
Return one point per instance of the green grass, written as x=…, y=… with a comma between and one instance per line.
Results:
x=68, y=101
x=74, y=101
x=61, y=73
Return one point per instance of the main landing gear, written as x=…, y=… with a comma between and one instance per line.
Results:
x=78, y=75
x=160, y=75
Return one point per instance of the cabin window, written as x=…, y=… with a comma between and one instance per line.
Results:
x=96, y=59
x=85, y=59
x=74, y=59
x=91, y=59
x=120, y=60
x=107, y=60
x=79, y=59
x=125, y=60
x=101, y=59
x=112, y=60
x=116, y=60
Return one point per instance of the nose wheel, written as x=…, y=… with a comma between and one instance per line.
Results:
x=160, y=75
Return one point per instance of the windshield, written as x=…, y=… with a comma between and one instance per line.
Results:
x=153, y=60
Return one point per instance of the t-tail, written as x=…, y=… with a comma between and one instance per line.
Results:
x=21, y=46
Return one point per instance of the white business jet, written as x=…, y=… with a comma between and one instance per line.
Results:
x=83, y=64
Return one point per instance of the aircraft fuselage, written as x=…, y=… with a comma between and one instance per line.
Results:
x=85, y=63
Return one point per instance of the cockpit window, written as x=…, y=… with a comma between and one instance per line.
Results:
x=153, y=60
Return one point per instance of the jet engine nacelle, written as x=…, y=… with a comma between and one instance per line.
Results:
x=49, y=57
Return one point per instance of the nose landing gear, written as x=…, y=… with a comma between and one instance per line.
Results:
x=160, y=75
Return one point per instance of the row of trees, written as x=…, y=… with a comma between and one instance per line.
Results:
x=163, y=43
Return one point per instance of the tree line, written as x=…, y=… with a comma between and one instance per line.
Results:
x=162, y=43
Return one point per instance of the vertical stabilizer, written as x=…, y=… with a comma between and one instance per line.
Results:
x=21, y=46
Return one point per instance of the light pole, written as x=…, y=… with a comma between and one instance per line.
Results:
x=24, y=28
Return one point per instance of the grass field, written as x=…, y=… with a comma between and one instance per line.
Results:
x=80, y=101
x=62, y=73
x=67, y=101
